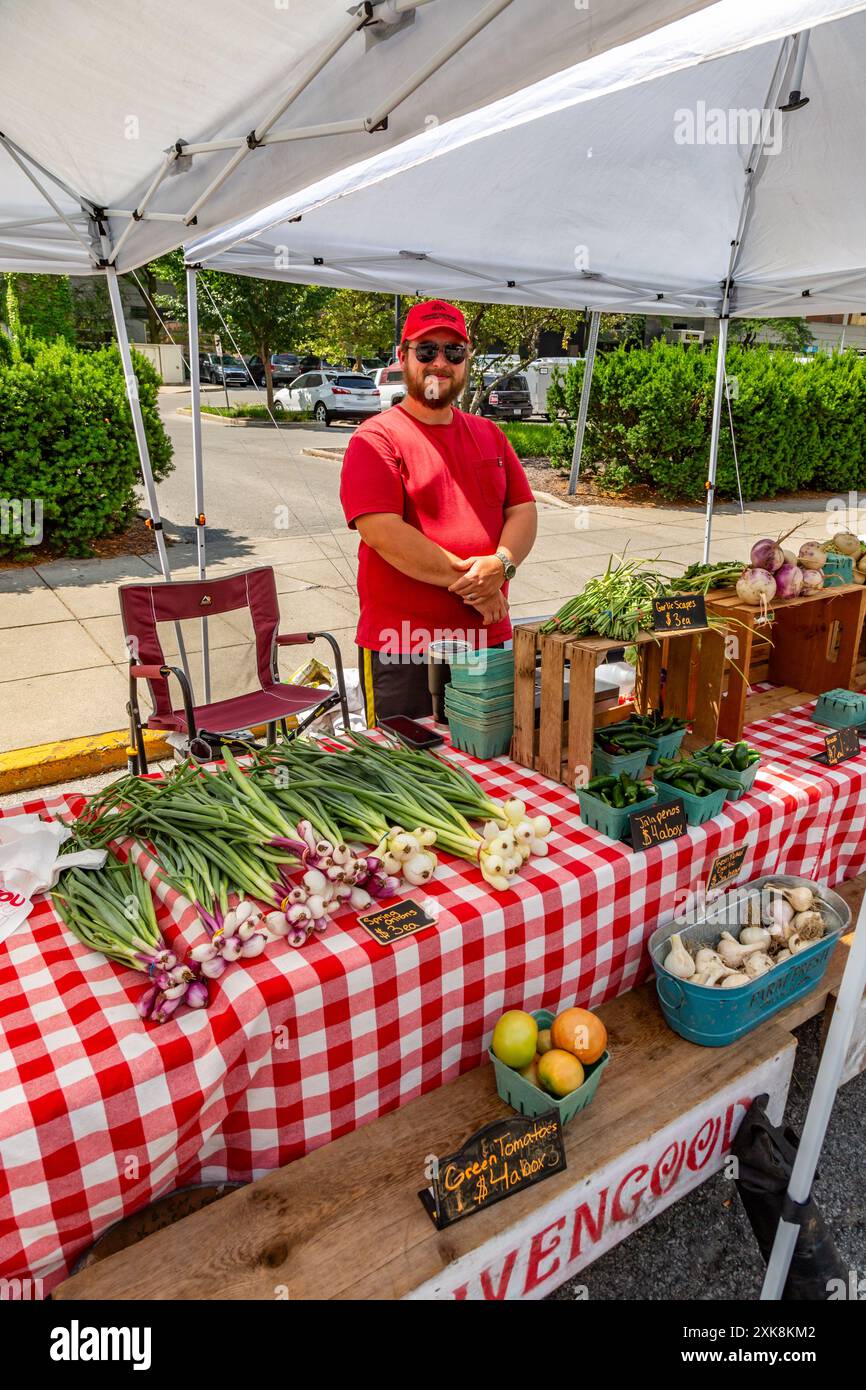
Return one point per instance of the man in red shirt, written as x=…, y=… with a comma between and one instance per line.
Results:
x=445, y=514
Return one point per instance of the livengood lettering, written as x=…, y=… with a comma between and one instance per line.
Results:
x=545, y=1258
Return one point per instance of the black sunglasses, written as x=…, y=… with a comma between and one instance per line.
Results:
x=428, y=352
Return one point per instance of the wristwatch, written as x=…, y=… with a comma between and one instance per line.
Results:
x=507, y=564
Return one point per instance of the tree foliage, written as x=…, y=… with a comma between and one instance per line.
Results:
x=250, y=316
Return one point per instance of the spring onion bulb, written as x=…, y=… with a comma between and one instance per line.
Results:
x=111, y=910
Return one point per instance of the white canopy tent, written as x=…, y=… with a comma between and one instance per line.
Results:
x=579, y=192
x=661, y=177
x=123, y=125
x=165, y=118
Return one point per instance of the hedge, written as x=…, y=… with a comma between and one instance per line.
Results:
x=796, y=424
x=67, y=441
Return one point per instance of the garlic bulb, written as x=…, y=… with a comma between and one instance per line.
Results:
x=801, y=898
x=797, y=944
x=711, y=975
x=732, y=953
x=809, y=926
x=779, y=912
x=783, y=955
x=734, y=981
x=706, y=957
x=758, y=964
x=678, y=961
x=755, y=936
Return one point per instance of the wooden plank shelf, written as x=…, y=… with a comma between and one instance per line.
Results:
x=815, y=646
x=680, y=672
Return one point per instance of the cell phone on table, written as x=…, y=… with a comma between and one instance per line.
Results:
x=409, y=731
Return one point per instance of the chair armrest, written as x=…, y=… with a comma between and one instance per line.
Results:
x=149, y=673
x=295, y=639
x=162, y=673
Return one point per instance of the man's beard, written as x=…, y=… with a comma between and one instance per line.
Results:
x=437, y=393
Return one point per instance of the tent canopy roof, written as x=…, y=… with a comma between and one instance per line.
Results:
x=98, y=92
x=620, y=184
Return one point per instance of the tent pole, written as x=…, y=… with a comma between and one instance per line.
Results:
x=583, y=409
x=131, y=381
x=198, y=469
x=718, y=396
x=821, y=1104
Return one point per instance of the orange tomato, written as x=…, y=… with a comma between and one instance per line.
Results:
x=581, y=1033
x=559, y=1072
x=531, y=1071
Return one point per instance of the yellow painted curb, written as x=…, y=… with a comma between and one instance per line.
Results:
x=47, y=763
x=65, y=761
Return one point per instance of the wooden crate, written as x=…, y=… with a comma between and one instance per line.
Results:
x=680, y=673
x=815, y=646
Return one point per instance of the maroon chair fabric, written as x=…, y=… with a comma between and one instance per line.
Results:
x=144, y=606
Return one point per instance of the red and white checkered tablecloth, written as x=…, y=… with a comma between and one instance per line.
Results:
x=101, y=1113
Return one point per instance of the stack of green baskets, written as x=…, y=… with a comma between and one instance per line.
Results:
x=479, y=702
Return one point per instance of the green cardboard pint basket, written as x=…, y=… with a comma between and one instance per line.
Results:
x=698, y=808
x=483, y=739
x=746, y=779
x=611, y=820
x=838, y=569
x=522, y=1096
x=612, y=764
x=840, y=709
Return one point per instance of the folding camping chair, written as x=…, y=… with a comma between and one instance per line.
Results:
x=144, y=606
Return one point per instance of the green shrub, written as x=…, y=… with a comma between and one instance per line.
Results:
x=67, y=441
x=527, y=439
x=796, y=425
x=255, y=412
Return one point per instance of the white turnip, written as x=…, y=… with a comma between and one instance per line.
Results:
x=813, y=581
x=811, y=556
x=756, y=586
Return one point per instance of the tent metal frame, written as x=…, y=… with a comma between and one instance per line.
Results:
x=792, y=57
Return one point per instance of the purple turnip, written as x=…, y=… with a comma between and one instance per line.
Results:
x=756, y=586
x=767, y=555
x=813, y=581
x=789, y=581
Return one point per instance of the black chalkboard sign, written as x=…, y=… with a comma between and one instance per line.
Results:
x=841, y=744
x=388, y=924
x=666, y=820
x=726, y=867
x=501, y=1159
x=679, y=613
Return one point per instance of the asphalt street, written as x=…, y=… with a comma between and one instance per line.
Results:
x=282, y=489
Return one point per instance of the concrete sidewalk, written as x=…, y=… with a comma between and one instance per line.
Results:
x=62, y=655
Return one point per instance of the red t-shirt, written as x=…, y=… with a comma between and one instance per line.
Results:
x=453, y=482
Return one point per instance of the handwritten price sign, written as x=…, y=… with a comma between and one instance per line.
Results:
x=501, y=1159
x=685, y=613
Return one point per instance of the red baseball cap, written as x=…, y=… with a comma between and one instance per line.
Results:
x=432, y=314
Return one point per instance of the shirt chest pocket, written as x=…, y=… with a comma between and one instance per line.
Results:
x=490, y=473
